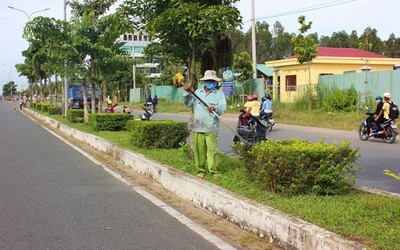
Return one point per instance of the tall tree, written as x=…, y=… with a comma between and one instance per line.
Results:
x=282, y=47
x=370, y=36
x=305, y=46
x=392, y=46
x=184, y=29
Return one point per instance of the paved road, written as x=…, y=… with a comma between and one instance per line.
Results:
x=52, y=197
x=376, y=155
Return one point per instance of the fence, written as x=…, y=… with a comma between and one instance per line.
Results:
x=367, y=83
x=175, y=95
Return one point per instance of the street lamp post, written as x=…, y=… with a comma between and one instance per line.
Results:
x=10, y=72
x=28, y=15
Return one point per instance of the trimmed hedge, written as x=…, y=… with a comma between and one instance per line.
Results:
x=33, y=105
x=45, y=107
x=157, y=134
x=109, y=121
x=55, y=110
x=300, y=167
x=75, y=115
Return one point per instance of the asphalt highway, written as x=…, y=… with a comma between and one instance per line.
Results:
x=52, y=197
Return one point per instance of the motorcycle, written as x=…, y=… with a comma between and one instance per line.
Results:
x=247, y=128
x=126, y=110
x=387, y=134
x=147, y=115
x=267, y=121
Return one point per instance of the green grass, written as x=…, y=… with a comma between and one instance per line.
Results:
x=372, y=220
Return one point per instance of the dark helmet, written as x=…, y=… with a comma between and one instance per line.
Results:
x=267, y=96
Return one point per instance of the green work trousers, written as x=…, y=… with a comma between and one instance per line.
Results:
x=205, y=149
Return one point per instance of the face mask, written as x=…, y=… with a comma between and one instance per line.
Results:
x=378, y=101
x=210, y=85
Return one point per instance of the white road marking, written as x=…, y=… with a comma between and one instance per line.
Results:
x=171, y=211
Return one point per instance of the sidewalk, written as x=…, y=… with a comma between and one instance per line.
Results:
x=286, y=230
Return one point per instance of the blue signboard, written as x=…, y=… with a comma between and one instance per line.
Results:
x=227, y=85
x=227, y=88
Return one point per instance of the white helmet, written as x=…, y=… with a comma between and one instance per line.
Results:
x=387, y=95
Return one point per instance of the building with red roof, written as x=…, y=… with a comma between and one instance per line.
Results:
x=329, y=61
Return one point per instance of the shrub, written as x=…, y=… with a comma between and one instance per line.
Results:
x=337, y=99
x=55, y=110
x=45, y=107
x=75, y=115
x=38, y=106
x=33, y=105
x=300, y=167
x=109, y=121
x=158, y=134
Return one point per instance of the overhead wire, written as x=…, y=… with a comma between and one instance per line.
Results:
x=315, y=7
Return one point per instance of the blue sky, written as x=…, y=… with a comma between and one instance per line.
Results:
x=347, y=15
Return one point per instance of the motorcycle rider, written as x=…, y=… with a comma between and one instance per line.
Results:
x=370, y=120
x=253, y=106
x=384, y=112
x=267, y=105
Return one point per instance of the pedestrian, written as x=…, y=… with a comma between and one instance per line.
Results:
x=155, y=103
x=21, y=103
x=149, y=101
x=206, y=124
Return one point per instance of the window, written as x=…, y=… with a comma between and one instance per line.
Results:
x=140, y=38
x=138, y=49
x=135, y=37
x=144, y=38
x=125, y=37
x=130, y=37
x=290, y=83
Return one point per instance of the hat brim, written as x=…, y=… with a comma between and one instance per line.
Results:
x=211, y=78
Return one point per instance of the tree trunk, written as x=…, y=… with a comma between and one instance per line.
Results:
x=50, y=101
x=85, y=102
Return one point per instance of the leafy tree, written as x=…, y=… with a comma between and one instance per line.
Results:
x=282, y=47
x=305, y=47
x=94, y=38
x=392, y=46
x=353, y=39
x=370, y=37
x=340, y=39
x=243, y=66
x=305, y=50
x=8, y=87
x=184, y=29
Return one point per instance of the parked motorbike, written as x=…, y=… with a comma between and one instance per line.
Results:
x=267, y=121
x=126, y=110
x=147, y=115
x=387, y=134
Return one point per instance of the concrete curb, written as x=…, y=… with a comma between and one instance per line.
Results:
x=288, y=231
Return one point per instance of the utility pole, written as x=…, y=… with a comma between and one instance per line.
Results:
x=65, y=74
x=253, y=40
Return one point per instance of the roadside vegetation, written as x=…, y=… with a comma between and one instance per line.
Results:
x=372, y=220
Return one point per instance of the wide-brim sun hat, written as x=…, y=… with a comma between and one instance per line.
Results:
x=387, y=95
x=210, y=75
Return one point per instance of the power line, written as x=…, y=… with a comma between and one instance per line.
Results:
x=315, y=7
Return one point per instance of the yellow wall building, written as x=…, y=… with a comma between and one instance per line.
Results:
x=294, y=76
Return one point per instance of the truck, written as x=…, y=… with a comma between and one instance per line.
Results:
x=75, y=95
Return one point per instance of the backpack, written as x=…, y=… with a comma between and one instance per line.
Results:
x=393, y=111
